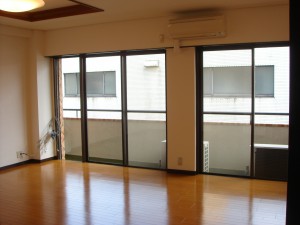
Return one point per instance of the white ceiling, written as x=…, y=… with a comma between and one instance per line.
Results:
x=120, y=10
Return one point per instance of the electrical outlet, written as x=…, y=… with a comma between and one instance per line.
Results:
x=19, y=155
x=179, y=161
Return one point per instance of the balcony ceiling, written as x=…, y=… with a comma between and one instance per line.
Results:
x=57, y=14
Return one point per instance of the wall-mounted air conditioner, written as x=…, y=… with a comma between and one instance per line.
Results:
x=197, y=27
x=205, y=156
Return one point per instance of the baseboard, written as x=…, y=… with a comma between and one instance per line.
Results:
x=43, y=160
x=14, y=165
x=73, y=157
x=185, y=172
x=228, y=172
x=145, y=164
x=29, y=161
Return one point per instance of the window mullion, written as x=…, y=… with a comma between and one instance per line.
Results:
x=103, y=83
x=83, y=102
x=252, y=120
x=124, y=109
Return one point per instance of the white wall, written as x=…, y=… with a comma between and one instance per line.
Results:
x=181, y=109
x=24, y=86
x=44, y=87
x=13, y=91
x=262, y=24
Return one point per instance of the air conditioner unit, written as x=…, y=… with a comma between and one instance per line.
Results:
x=205, y=156
x=271, y=161
x=197, y=27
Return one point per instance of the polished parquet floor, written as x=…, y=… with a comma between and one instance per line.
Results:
x=75, y=193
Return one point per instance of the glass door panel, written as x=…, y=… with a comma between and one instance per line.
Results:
x=227, y=81
x=71, y=108
x=271, y=129
x=146, y=87
x=227, y=106
x=105, y=137
x=229, y=141
x=271, y=113
x=147, y=140
x=104, y=116
x=146, y=110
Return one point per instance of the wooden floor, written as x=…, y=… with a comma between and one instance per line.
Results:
x=75, y=193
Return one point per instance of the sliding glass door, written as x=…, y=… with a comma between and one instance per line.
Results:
x=227, y=110
x=146, y=110
x=69, y=78
x=245, y=111
x=104, y=102
x=270, y=153
x=114, y=108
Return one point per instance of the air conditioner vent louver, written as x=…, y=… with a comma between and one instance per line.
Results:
x=205, y=156
x=199, y=27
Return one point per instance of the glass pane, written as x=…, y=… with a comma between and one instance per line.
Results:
x=105, y=137
x=208, y=81
x=271, y=129
x=71, y=84
x=147, y=140
x=278, y=59
x=228, y=138
x=264, y=81
x=71, y=109
x=110, y=83
x=271, y=147
x=104, y=92
x=230, y=81
x=146, y=82
x=104, y=127
x=94, y=84
x=271, y=132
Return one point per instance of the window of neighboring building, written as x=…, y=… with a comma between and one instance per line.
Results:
x=234, y=81
x=71, y=84
x=264, y=81
x=98, y=84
